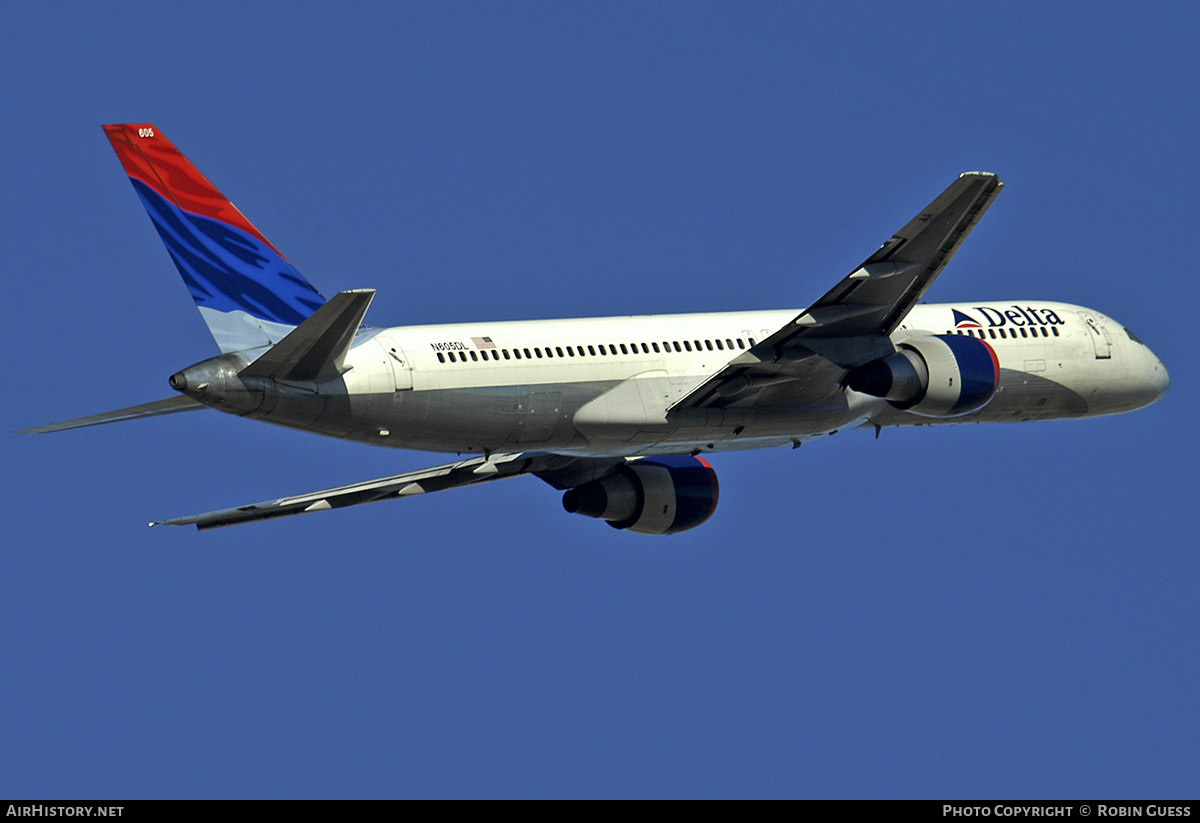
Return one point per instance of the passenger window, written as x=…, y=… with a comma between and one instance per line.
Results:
x=473, y=357
x=708, y=345
x=655, y=345
x=687, y=345
x=558, y=351
x=623, y=349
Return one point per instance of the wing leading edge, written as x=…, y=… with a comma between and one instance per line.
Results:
x=852, y=321
x=882, y=290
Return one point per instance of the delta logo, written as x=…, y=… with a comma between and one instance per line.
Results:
x=963, y=321
x=1016, y=316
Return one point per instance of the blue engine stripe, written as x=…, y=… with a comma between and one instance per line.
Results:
x=695, y=490
x=977, y=372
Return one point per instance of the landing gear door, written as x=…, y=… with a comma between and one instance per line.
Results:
x=401, y=370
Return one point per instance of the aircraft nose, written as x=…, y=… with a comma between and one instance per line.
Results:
x=1153, y=379
x=1159, y=379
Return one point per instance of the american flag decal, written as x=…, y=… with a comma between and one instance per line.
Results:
x=483, y=342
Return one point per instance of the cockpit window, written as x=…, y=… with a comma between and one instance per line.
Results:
x=1133, y=337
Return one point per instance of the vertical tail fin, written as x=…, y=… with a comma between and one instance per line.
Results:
x=246, y=291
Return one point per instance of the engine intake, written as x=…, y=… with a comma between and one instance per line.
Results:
x=653, y=495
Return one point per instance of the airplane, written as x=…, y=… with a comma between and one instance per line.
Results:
x=617, y=413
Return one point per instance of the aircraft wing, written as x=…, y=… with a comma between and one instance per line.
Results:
x=557, y=470
x=850, y=324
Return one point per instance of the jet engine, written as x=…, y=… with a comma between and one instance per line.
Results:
x=652, y=495
x=943, y=375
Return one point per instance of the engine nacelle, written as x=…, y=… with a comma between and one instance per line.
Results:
x=943, y=375
x=653, y=495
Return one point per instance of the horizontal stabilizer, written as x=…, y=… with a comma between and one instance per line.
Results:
x=169, y=406
x=316, y=349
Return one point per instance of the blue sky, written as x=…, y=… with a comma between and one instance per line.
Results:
x=1003, y=611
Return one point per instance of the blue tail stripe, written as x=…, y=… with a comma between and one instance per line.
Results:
x=226, y=269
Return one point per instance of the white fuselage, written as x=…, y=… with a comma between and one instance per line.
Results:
x=603, y=386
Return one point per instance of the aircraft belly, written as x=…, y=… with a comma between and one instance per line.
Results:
x=556, y=417
x=293, y=408
x=491, y=419
x=1020, y=396
x=576, y=418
